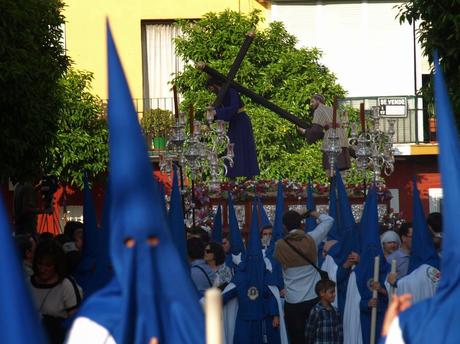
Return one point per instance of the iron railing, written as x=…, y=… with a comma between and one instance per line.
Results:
x=409, y=129
x=413, y=128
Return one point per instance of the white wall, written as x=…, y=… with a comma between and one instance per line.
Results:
x=362, y=43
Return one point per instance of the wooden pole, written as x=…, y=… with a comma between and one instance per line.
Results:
x=334, y=113
x=375, y=296
x=213, y=311
x=176, y=102
x=361, y=117
x=190, y=119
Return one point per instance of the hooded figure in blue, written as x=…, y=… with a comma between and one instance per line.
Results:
x=423, y=274
x=423, y=250
x=310, y=223
x=265, y=225
x=265, y=221
x=258, y=311
x=86, y=273
x=346, y=236
x=20, y=323
x=277, y=234
x=437, y=319
x=370, y=248
x=153, y=295
x=237, y=249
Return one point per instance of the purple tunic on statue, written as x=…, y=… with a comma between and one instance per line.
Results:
x=240, y=133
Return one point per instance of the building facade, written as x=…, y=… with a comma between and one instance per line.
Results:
x=375, y=58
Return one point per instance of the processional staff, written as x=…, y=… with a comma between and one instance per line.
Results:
x=375, y=296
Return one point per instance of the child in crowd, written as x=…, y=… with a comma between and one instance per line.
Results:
x=324, y=324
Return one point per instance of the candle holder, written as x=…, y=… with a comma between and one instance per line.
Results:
x=374, y=148
x=333, y=149
x=205, y=151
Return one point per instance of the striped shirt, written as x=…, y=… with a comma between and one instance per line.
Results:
x=323, y=116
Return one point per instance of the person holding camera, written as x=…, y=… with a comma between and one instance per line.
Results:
x=295, y=252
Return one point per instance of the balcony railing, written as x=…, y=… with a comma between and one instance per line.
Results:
x=411, y=128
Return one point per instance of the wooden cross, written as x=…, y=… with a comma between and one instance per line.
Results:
x=234, y=68
x=256, y=98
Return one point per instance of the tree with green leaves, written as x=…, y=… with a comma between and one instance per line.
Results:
x=438, y=28
x=81, y=141
x=274, y=68
x=32, y=61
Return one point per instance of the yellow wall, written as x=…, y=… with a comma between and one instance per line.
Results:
x=86, y=37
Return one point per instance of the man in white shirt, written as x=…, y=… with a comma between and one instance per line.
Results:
x=300, y=277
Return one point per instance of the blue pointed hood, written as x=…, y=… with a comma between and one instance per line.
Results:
x=236, y=240
x=440, y=314
x=334, y=232
x=278, y=223
x=161, y=187
x=249, y=278
x=158, y=298
x=85, y=273
x=264, y=220
x=310, y=223
x=216, y=234
x=348, y=235
x=423, y=250
x=346, y=215
x=370, y=247
x=254, y=247
x=17, y=311
x=176, y=219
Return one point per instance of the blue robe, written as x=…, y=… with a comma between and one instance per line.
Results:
x=249, y=329
x=342, y=284
x=240, y=133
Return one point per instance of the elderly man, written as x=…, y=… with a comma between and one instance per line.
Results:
x=300, y=277
x=320, y=128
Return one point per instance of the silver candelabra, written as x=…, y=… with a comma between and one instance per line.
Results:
x=374, y=147
x=206, y=149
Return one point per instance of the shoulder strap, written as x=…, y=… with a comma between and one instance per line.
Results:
x=75, y=289
x=302, y=255
x=204, y=272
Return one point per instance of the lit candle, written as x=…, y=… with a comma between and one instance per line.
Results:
x=213, y=310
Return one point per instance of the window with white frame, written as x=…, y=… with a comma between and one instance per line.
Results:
x=160, y=64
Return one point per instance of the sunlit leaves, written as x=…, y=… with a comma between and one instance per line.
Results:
x=273, y=68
